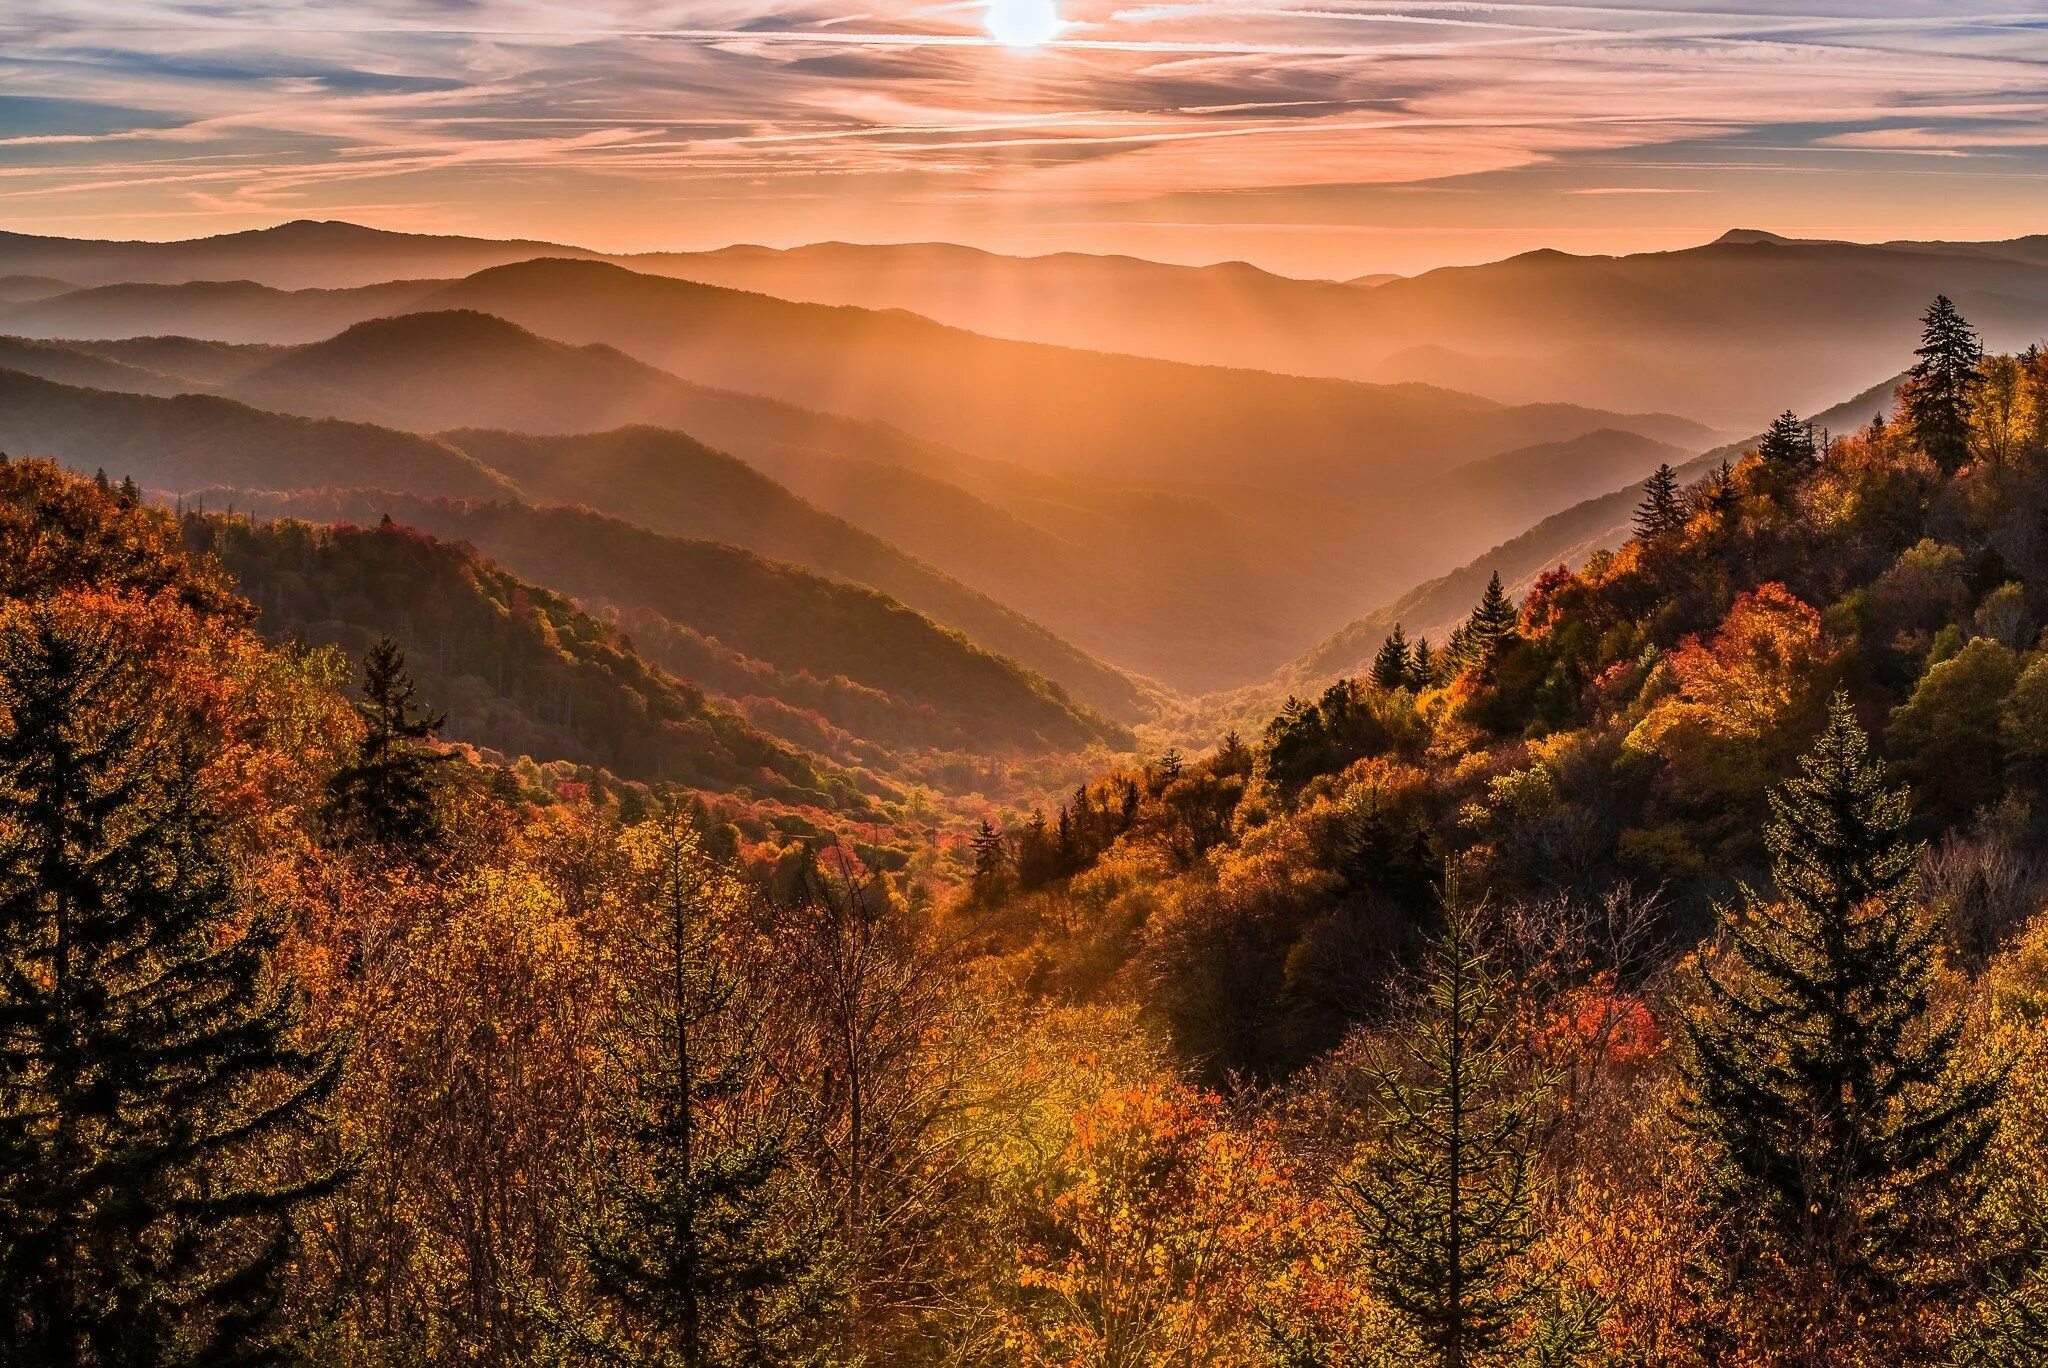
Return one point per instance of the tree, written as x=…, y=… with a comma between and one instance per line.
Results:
x=1823, y=1086
x=1946, y=736
x=1788, y=445
x=389, y=795
x=888, y=1093
x=1938, y=394
x=148, y=1063
x=1422, y=666
x=697, y=1248
x=1446, y=1196
x=1489, y=628
x=1390, y=666
x=1662, y=509
x=990, y=858
x=1722, y=495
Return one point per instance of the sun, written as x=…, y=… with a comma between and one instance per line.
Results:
x=1024, y=23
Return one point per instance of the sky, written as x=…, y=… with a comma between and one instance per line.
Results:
x=1313, y=137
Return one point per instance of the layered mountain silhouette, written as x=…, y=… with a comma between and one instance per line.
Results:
x=1056, y=409
x=1196, y=584
x=1727, y=332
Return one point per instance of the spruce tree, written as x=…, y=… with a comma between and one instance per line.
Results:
x=699, y=1249
x=1446, y=1196
x=1821, y=1082
x=1943, y=383
x=1390, y=666
x=1722, y=496
x=989, y=855
x=1788, y=444
x=1662, y=509
x=389, y=794
x=152, y=1091
x=1422, y=665
x=1478, y=643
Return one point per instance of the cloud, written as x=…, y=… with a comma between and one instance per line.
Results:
x=676, y=115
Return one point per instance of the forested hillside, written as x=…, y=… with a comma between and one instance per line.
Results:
x=1645, y=969
x=749, y=628
x=191, y=440
x=514, y=667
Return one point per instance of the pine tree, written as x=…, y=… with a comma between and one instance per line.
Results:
x=1422, y=665
x=1943, y=382
x=1788, y=444
x=1820, y=1080
x=147, y=1047
x=989, y=856
x=1446, y=1197
x=1478, y=642
x=698, y=1248
x=1722, y=496
x=1390, y=666
x=388, y=796
x=1662, y=509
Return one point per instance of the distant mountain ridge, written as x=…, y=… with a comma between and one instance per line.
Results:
x=1726, y=332
x=1192, y=578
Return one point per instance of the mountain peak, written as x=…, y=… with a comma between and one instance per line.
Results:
x=1752, y=237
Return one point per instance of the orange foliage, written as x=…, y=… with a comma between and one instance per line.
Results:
x=1160, y=1227
x=1761, y=665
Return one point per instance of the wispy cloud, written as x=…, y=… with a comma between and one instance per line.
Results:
x=643, y=122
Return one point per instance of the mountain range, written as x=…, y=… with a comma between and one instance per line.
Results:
x=1727, y=332
x=875, y=502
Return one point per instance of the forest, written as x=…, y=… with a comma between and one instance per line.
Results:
x=1650, y=972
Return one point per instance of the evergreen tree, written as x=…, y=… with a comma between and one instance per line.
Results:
x=1477, y=643
x=388, y=795
x=148, y=1068
x=698, y=1248
x=1037, y=861
x=1662, y=509
x=1390, y=666
x=1820, y=1080
x=989, y=856
x=1722, y=496
x=1788, y=444
x=1943, y=382
x=1446, y=1196
x=1422, y=665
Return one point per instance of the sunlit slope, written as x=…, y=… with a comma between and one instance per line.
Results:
x=741, y=625
x=190, y=440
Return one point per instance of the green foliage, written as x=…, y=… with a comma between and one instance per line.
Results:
x=1663, y=507
x=1390, y=668
x=388, y=794
x=1947, y=735
x=696, y=1248
x=1828, y=1091
x=1944, y=382
x=1788, y=445
x=148, y=1051
x=1445, y=1195
x=1348, y=722
x=757, y=630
